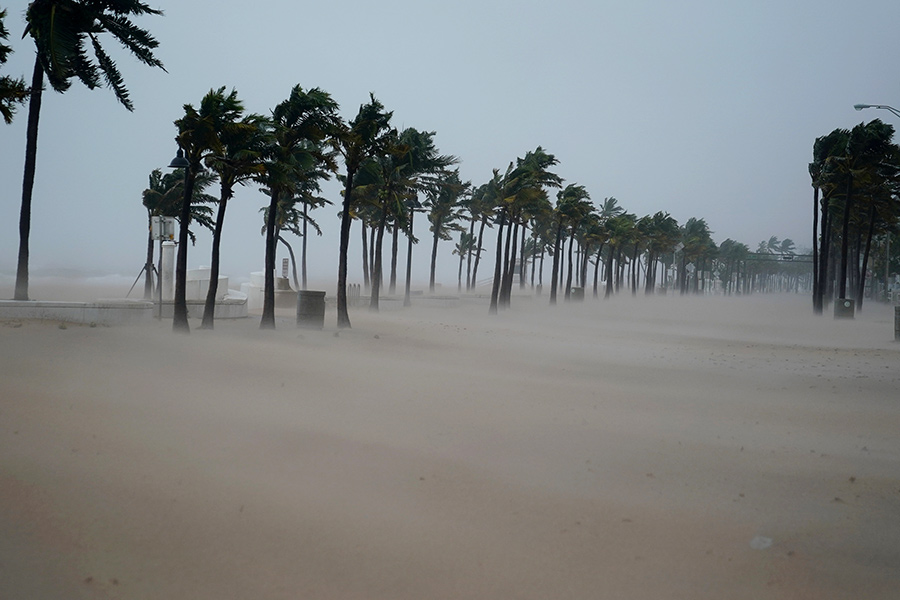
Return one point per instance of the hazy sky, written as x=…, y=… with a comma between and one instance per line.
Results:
x=700, y=108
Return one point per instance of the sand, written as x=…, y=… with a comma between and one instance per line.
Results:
x=685, y=448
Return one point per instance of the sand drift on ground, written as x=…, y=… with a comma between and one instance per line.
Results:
x=685, y=448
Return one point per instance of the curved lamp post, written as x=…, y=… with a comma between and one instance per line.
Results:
x=881, y=106
x=179, y=306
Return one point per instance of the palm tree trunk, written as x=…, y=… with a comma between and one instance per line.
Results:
x=865, y=260
x=373, y=232
x=303, y=244
x=290, y=250
x=569, y=268
x=395, y=241
x=469, y=283
x=434, y=248
x=209, y=308
x=268, y=314
x=376, y=262
x=409, y=248
x=365, y=254
x=179, y=308
x=554, y=277
x=509, y=263
x=34, y=113
x=495, y=287
x=522, y=270
x=343, y=317
x=845, y=234
x=609, y=272
x=817, y=301
x=824, y=243
x=478, y=252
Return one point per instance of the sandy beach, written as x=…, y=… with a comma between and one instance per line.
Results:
x=686, y=448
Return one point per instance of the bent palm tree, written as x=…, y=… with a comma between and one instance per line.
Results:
x=356, y=142
x=301, y=124
x=243, y=145
x=62, y=31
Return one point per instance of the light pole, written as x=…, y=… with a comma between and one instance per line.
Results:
x=881, y=106
x=179, y=306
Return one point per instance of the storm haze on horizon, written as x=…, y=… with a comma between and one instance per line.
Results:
x=704, y=110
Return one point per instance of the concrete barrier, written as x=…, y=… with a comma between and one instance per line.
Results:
x=101, y=312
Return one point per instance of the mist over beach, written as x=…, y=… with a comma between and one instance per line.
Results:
x=677, y=447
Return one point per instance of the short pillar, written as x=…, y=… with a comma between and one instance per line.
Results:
x=310, y=309
x=168, y=271
x=897, y=323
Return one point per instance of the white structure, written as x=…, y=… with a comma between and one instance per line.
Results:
x=285, y=296
x=168, y=271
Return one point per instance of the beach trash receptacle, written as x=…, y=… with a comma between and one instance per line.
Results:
x=577, y=294
x=844, y=308
x=310, y=309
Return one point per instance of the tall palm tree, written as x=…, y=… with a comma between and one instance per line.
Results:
x=521, y=193
x=866, y=148
x=444, y=211
x=572, y=204
x=356, y=141
x=243, y=146
x=198, y=138
x=825, y=181
x=63, y=31
x=301, y=125
x=12, y=91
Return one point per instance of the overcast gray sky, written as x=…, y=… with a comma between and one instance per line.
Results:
x=702, y=108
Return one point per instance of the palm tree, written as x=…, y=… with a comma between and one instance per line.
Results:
x=163, y=198
x=407, y=163
x=698, y=246
x=663, y=234
x=520, y=193
x=62, y=30
x=12, y=91
x=198, y=139
x=572, y=204
x=356, y=141
x=443, y=206
x=300, y=126
x=243, y=146
x=825, y=181
x=463, y=249
x=867, y=146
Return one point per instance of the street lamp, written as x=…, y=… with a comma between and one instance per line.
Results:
x=179, y=306
x=882, y=106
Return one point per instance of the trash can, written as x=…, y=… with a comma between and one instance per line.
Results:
x=844, y=308
x=310, y=309
x=577, y=294
x=897, y=323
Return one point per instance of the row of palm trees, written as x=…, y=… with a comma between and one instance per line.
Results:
x=388, y=175
x=856, y=185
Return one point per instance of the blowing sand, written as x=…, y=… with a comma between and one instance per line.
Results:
x=687, y=448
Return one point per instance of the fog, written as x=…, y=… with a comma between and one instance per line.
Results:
x=690, y=448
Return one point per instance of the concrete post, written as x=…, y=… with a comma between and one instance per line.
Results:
x=168, y=271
